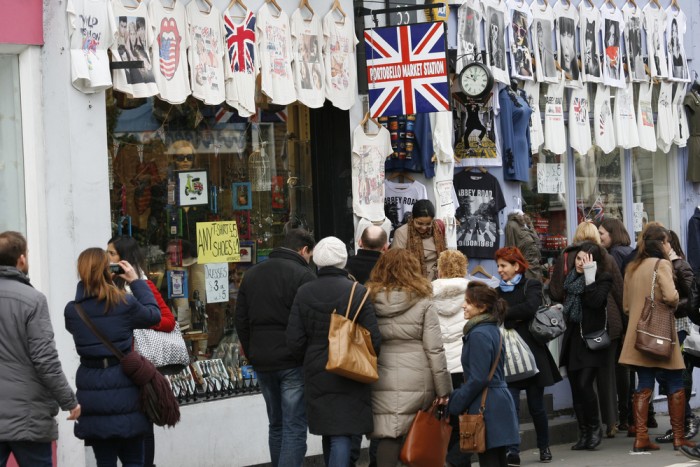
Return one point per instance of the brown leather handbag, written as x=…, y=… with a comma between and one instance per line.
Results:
x=427, y=439
x=472, y=428
x=350, y=350
x=656, y=327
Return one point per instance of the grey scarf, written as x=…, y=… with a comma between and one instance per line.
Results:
x=574, y=285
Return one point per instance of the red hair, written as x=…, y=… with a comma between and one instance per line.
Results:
x=512, y=255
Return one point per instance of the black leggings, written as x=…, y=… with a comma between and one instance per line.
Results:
x=494, y=457
x=583, y=393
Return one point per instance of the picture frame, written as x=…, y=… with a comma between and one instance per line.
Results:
x=247, y=252
x=242, y=193
x=192, y=188
x=243, y=224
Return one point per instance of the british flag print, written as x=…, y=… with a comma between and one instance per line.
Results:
x=407, y=69
x=240, y=42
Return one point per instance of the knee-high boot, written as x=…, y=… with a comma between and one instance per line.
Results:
x=640, y=406
x=676, y=409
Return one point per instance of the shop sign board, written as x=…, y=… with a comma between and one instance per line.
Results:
x=550, y=178
x=217, y=242
x=216, y=278
x=407, y=69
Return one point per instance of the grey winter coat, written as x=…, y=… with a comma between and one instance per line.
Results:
x=33, y=384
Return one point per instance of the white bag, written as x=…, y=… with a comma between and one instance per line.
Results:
x=163, y=349
x=691, y=344
x=520, y=362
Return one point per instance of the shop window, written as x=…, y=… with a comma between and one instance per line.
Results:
x=11, y=152
x=175, y=167
x=599, y=185
x=651, y=190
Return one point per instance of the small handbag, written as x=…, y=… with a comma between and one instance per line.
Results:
x=520, y=363
x=597, y=340
x=166, y=350
x=656, y=326
x=427, y=439
x=472, y=429
x=350, y=350
x=548, y=323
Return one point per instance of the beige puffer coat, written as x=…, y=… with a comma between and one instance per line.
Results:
x=412, y=365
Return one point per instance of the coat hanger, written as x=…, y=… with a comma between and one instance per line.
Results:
x=480, y=270
x=611, y=2
x=307, y=5
x=472, y=167
x=136, y=2
x=367, y=118
x=590, y=2
x=274, y=3
x=674, y=3
x=401, y=176
x=207, y=3
x=546, y=5
x=655, y=2
x=233, y=3
x=336, y=7
x=169, y=8
x=633, y=3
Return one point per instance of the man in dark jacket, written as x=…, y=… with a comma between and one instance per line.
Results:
x=33, y=385
x=262, y=313
x=373, y=243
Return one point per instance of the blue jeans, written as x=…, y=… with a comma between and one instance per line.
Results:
x=27, y=453
x=128, y=450
x=283, y=391
x=646, y=377
x=535, y=405
x=336, y=450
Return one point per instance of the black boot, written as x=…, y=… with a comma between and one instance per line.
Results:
x=583, y=429
x=691, y=427
x=667, y=438
x=596, y=436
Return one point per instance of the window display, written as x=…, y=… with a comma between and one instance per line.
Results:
x=11, y=155
x=652, y=193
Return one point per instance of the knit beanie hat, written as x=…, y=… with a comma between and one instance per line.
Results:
x=330, y=251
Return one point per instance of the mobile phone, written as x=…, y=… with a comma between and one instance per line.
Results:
x=116, y=269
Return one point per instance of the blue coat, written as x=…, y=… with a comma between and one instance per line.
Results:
x=109, y=400
x=478, y=354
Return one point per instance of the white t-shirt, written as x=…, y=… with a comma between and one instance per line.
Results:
x=603, y=125
x=579, y=124
x=496, y=15
x=399, y=199
x=469, y=18
x=592, y=68
x=169, y=51
x=132, y=42
x=532, y=90
x=624, y=118
x=206, y=54
x=612, y=26
x=275, y=52
x=633, y=42
x=240, y=61
x=91, y=27
x=554, y=129
x=519, y=40
x=665, y=125
x=645, y=118
x=542, y=33
x=309, y=71
x=655, y=25
x=369, y=152
x=567, y=22
x=682, y=132
x=339, y=59
x=675, y=34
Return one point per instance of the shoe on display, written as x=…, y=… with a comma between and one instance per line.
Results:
x=545, y=455
x=513, y=460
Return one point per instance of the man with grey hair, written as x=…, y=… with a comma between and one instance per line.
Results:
x=373, y=243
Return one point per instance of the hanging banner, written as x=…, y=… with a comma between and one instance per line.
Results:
x=407, y=69
x=217, y=242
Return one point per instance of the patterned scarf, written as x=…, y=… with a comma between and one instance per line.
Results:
x=415, y=242
x=482, y=318
x=574, y=285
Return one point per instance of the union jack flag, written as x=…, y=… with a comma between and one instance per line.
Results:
x=240, y=42
x=407, y=69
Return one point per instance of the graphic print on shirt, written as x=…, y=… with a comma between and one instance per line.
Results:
x=520, y=45
x=543, y=44
x=207, y=51
x=480, y=199
x=310, y=63
x=496, y=44
x=655, y=24
x=132, y=46
x=240, y=43
x=477, y=143
x=169, y=39
x=340, y=65
x=91, y=33
x=567, y=48
x=633, y=43
x=612, y=27
x=590, y=50
x=677, y=64
x=468, y=35
x=276, y=45
x=369, y=175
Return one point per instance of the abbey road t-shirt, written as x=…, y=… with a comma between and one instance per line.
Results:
x=480, y=200
x=542, y=33
x=645, y=118
x=399, y=199
x=469, y=18
x=206, y=54
x=519, y=40
x=532, y=96
x=675, y=34
x=566, y=24
x=309, y=70
x=275, y=51
x=633, y=42
x=368, y=155
x=339, y=59
x=655, y=24
x=603, y=126
x=624, y=118
x=554, y=128
x=579, y=124
x=591, y=69
x=664, y=118
x=169, y=51
x=91, y=27
x=241, y=61
x=612, y=26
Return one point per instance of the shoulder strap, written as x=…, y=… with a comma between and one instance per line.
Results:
x=352, y=293
x=359, y=308
x=88, y=322
x=653, y=278
x=493, y=370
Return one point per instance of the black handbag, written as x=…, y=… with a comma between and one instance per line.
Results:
x=597, y=340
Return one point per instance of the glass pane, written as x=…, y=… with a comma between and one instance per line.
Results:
x=599, y=185
x=650, y=187
x=11, y=153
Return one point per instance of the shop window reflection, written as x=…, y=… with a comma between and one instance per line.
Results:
x=651, y=191
x=599, y=185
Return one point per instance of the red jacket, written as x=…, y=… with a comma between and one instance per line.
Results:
x=167, y=320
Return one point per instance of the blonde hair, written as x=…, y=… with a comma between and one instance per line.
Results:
x=179, y=145
x=452, y=263
x=587, y=232
x=398, y=269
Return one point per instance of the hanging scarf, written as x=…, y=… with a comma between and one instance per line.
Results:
x=415, y=242
x=510, y=285
x=574, y=285
x=478, y=319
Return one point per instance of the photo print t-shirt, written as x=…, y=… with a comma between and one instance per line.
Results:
x=309, y=72
x=554, y=128
x=480, y=200
x=241, y=61
x=591, y=70
x=532, y=96
x=655, y=25
x=624, y=119
x=368, y=155
x=469, y=18
x=519, y=40
x=682, y=130
x=495, y=13
x=675, y=33
x=92, y=29
x=339, y=58
x=612, y=24
x=275, y=55
x=169, y=51
x=603, y=125
x=206, y=54
x=633, y=42
x=579, y=125
x=664, y=118
x=542, y=33
x=399, y=199
x=567, y=20
x=645, y=118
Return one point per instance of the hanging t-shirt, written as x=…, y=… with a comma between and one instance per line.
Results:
x=567, y=19
x=241, y=61
x=480, y=200
x=206, y=54
x=514, y=118
x=655, y=25
x=309, y=72
x=612, y=25
x=542, y=32
x=469, y=18
x=579, y=124
x=645, y=118
x=519, y=40
x=665, y=124
x=633, y=19
x=477, y=143
x=682, y=130
x=625, y=122
x=603, y=125
x=368, y=155
x=554, y=129
x=675, y=34
x=443, y=188
x=92, y=29
x=275, y=55
x=132, y=42
x=691, y=102
x=399, y=199
x=495, y=13
x=532, y=95
x=339, y=59
x=169, y=51
x=591, y=69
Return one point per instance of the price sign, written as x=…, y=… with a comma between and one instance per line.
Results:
x=216, y=275
x=638, y=219
x=550, y=178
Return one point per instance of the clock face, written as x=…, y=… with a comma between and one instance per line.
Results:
x=474, y=80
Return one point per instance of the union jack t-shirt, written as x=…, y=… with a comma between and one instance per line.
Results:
x=241, y=62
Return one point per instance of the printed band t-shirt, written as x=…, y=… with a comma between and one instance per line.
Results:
x=624, y=118
x=519, y=40
x=633, y=42
x=554, y=128
x=567, y=21
x=603, y=126
x=480, y=200
x=655, y=24
x=579, y=125
x=339, y=58
x=399, y=199
x=92, y=28
x=275, y=51
x=368, y=155
x=542, y=33
x=241, y=62
x=645, y=118
x=532, y=95
x=675, y=34
x=591, y=69
x=496, y=15
x=169, y=51
x=309, y=70
x=612, y=26
x=206, y=54
x=664, y=117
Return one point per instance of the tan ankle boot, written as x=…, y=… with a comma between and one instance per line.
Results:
x=640, y=405
x=676, y=409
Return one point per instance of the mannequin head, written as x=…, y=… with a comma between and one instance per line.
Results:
x=182, y=153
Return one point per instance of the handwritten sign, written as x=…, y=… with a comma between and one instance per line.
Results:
x=550, y=178
x=217, y=242
x=638, y=216
x=216, y=278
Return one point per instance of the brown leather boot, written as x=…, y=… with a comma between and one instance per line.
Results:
x=676, y=410
x=640, y=405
